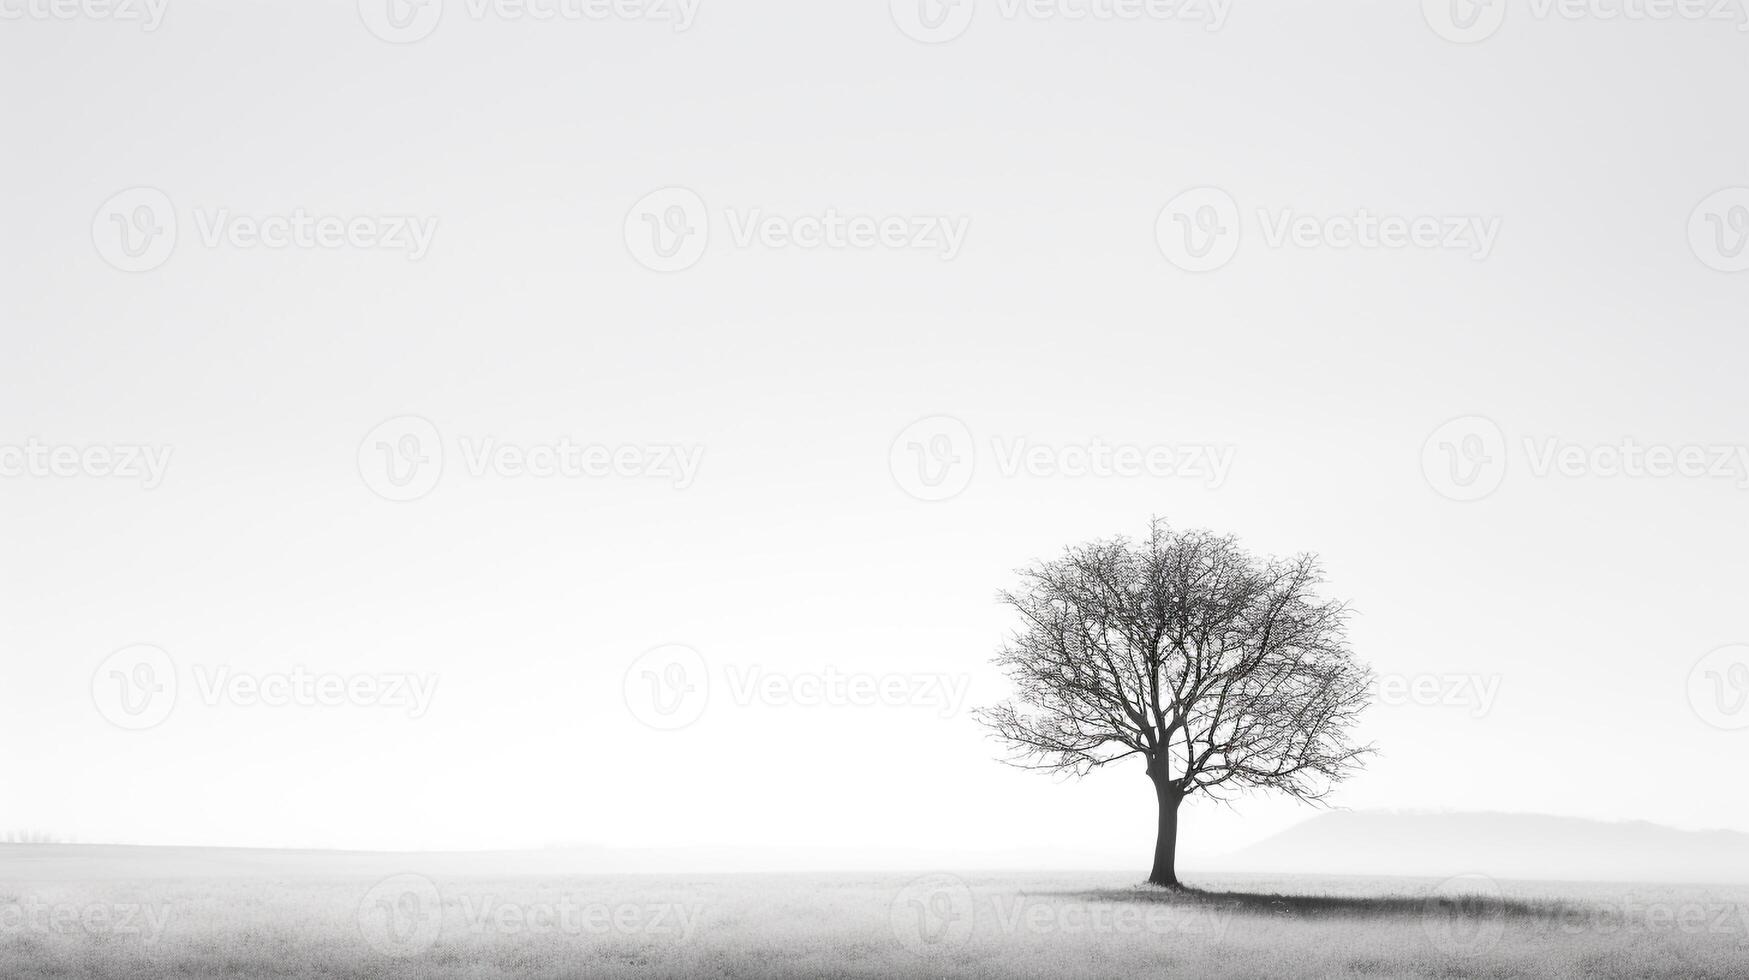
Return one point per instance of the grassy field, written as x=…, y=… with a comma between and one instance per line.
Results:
x=73, y=912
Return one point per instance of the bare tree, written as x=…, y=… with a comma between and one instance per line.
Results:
x=1224, y=673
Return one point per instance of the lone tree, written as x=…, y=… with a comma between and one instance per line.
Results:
x=1223, y=672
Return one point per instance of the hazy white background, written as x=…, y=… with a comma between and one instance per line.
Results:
x=1060, y=321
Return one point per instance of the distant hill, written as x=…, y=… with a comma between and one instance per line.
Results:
x=1502, y=845
x=1367, y=843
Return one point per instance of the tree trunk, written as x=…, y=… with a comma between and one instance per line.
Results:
x=1166, y=840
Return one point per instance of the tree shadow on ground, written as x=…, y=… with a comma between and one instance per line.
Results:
x=1327, y=906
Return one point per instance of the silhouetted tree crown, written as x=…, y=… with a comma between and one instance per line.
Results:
x=1222, y=671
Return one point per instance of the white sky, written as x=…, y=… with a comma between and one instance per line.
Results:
x=1060, y=321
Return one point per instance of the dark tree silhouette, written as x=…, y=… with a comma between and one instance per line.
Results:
x=1223, y=672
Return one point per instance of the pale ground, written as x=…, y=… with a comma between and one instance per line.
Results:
x=76, y=912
